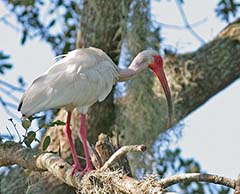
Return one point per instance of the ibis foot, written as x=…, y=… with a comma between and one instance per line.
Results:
x=87, y=169
x=75, y=169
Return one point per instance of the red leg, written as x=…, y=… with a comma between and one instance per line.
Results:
x=76, y=165
x=84, y=142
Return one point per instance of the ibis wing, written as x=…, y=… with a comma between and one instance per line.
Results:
x=70, y=87
x=47, y=91
x=79, y=58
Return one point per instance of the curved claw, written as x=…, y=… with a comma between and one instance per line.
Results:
x=86, y=169
x=75, y=169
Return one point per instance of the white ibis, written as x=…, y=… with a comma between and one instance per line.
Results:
x=83, y=77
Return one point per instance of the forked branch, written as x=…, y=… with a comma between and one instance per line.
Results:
x=114, y=180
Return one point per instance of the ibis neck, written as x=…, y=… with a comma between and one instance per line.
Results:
x=126, y=74
x=134, y=69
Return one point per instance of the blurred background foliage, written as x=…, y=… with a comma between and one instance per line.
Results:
x=57, y=22
x=4, y=64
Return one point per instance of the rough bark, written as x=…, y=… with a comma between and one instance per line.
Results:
x=101, y=180
x=101, y=27
x=197, y=76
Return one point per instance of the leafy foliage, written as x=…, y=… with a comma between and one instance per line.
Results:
x=46, y=143
x=4, y=65
x=29, y=138
x=61, y=14
x=57, y=123
x=227, y=8
x=26, y=123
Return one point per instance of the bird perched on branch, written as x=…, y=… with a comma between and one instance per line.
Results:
x=83, y=77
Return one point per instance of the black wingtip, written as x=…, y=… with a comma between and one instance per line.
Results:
x=20, y=106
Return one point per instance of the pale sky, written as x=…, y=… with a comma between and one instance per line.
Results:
x=212, y=132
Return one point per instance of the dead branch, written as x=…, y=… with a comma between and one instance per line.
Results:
x=33, y=160
x=103, y=179
x=121, y=152
x=105, y=148
x=197, y=177
x=237, y=187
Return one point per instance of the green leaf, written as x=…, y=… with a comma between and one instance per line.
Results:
x=35, y=117
x=7, y=66
x=31, y=135
x=3, y=56
x=24, y=37
x=58, y=122
x=51, y=23
x=21, y=81
x=26, y=123
x=46, y=143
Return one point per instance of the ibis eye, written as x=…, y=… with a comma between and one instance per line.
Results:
x=159, y=60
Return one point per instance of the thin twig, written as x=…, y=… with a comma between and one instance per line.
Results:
x=14, y=126
x=9, y=94
x=5, y=16
x=121, y=152
x=187, y=24
x=15, y=88
x=6, y=22
x=6, y=106
x=9, y=104
x=180, y=27
x=10, y=134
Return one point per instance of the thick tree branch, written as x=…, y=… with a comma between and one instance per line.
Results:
x=33, y=160
x=14, y=153
x=197, y=76
x=103, y=178
x=237, y=187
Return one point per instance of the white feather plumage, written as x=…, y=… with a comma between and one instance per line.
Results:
x=78, y=80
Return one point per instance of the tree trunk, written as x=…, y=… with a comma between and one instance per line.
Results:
x=101, y=27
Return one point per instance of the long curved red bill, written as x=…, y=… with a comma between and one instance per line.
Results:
x=162, y=78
